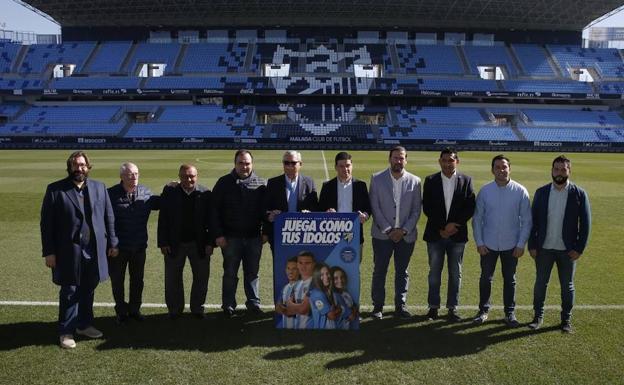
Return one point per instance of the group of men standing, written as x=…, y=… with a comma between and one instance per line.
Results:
x=88, y=232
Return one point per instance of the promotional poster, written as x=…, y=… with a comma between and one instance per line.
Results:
x=317, y=271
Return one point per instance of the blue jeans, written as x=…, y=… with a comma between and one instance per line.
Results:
x=382, y=252
x=247, y=250
x=76, y=301
x=488, y=266
x=455, y=253
x=566, y=267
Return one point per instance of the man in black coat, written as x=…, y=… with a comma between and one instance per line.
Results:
x=236, y=222
x=77, y=234
x=345, y=194
x=290, y=191
x=448, y=203
x=183, y=232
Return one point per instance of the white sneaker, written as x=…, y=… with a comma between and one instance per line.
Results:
x=90, y=332
x=67, y=341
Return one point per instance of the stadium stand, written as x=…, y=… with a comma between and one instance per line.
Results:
x=366, y=88
x=40, y=57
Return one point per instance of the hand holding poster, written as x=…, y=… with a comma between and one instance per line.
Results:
x=316, y=270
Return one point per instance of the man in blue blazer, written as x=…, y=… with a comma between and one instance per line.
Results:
x=561, y=226
x=448, y=202
x=290, y=191
x=77, y=234
x=345, y=193
x=396, y=202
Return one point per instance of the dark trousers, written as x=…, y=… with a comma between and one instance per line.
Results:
x=134, y=260
x=566, y=267
x=76, y=301
x=488, y=266
x=247, y=251
x=174, y=282
x=383, y=250
x=437, y=251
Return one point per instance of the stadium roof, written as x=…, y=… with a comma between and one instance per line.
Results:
x=554, y=15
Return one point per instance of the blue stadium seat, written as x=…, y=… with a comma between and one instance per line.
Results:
x=40, y=56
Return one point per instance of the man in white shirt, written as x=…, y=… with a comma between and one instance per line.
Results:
x=395, y=202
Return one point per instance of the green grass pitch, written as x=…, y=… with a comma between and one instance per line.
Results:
x=248, y=350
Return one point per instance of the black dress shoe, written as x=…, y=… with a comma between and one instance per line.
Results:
x=401, y=312
x=453, y=316
x=121, y=319
x=432, y=314
x=566, y=327
x=137, y=316
x=199, y=316
x=255, y=310
x=228, y=312
x=174, y=316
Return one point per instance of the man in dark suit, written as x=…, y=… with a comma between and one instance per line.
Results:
x=290, y=191
x=448, y=203
x=561, y=227
x=345, y=194
x=77, y=234
x=183, y=232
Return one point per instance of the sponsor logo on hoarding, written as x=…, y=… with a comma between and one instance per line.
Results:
x=547, y=144
x=91, y=140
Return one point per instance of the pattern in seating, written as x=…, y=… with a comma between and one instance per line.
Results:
x=68, y=114
x=607, y=61
x=214, y=57
x=428, y=59
x=8, y=52
x=40, y=56
x=573, y=118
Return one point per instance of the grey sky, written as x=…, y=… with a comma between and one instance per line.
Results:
x=15, y=17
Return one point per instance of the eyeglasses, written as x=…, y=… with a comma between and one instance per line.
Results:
x=290, y=163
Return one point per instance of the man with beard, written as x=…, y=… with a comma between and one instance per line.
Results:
x=395, y=202
x=561, y=226
x=77, y=234
x=236, y=222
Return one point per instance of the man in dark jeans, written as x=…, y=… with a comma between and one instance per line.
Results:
x=236, y=223
x=132, y=203
x=448, y=202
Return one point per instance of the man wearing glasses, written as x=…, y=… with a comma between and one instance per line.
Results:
x=290, y=191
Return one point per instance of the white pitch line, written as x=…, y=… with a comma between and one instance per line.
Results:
x=363, y=307
x=325, y=165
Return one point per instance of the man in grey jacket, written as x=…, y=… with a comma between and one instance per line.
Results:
x=395, y=196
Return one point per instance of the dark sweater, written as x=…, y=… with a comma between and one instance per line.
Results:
x=131, y=216
x=237, y=206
